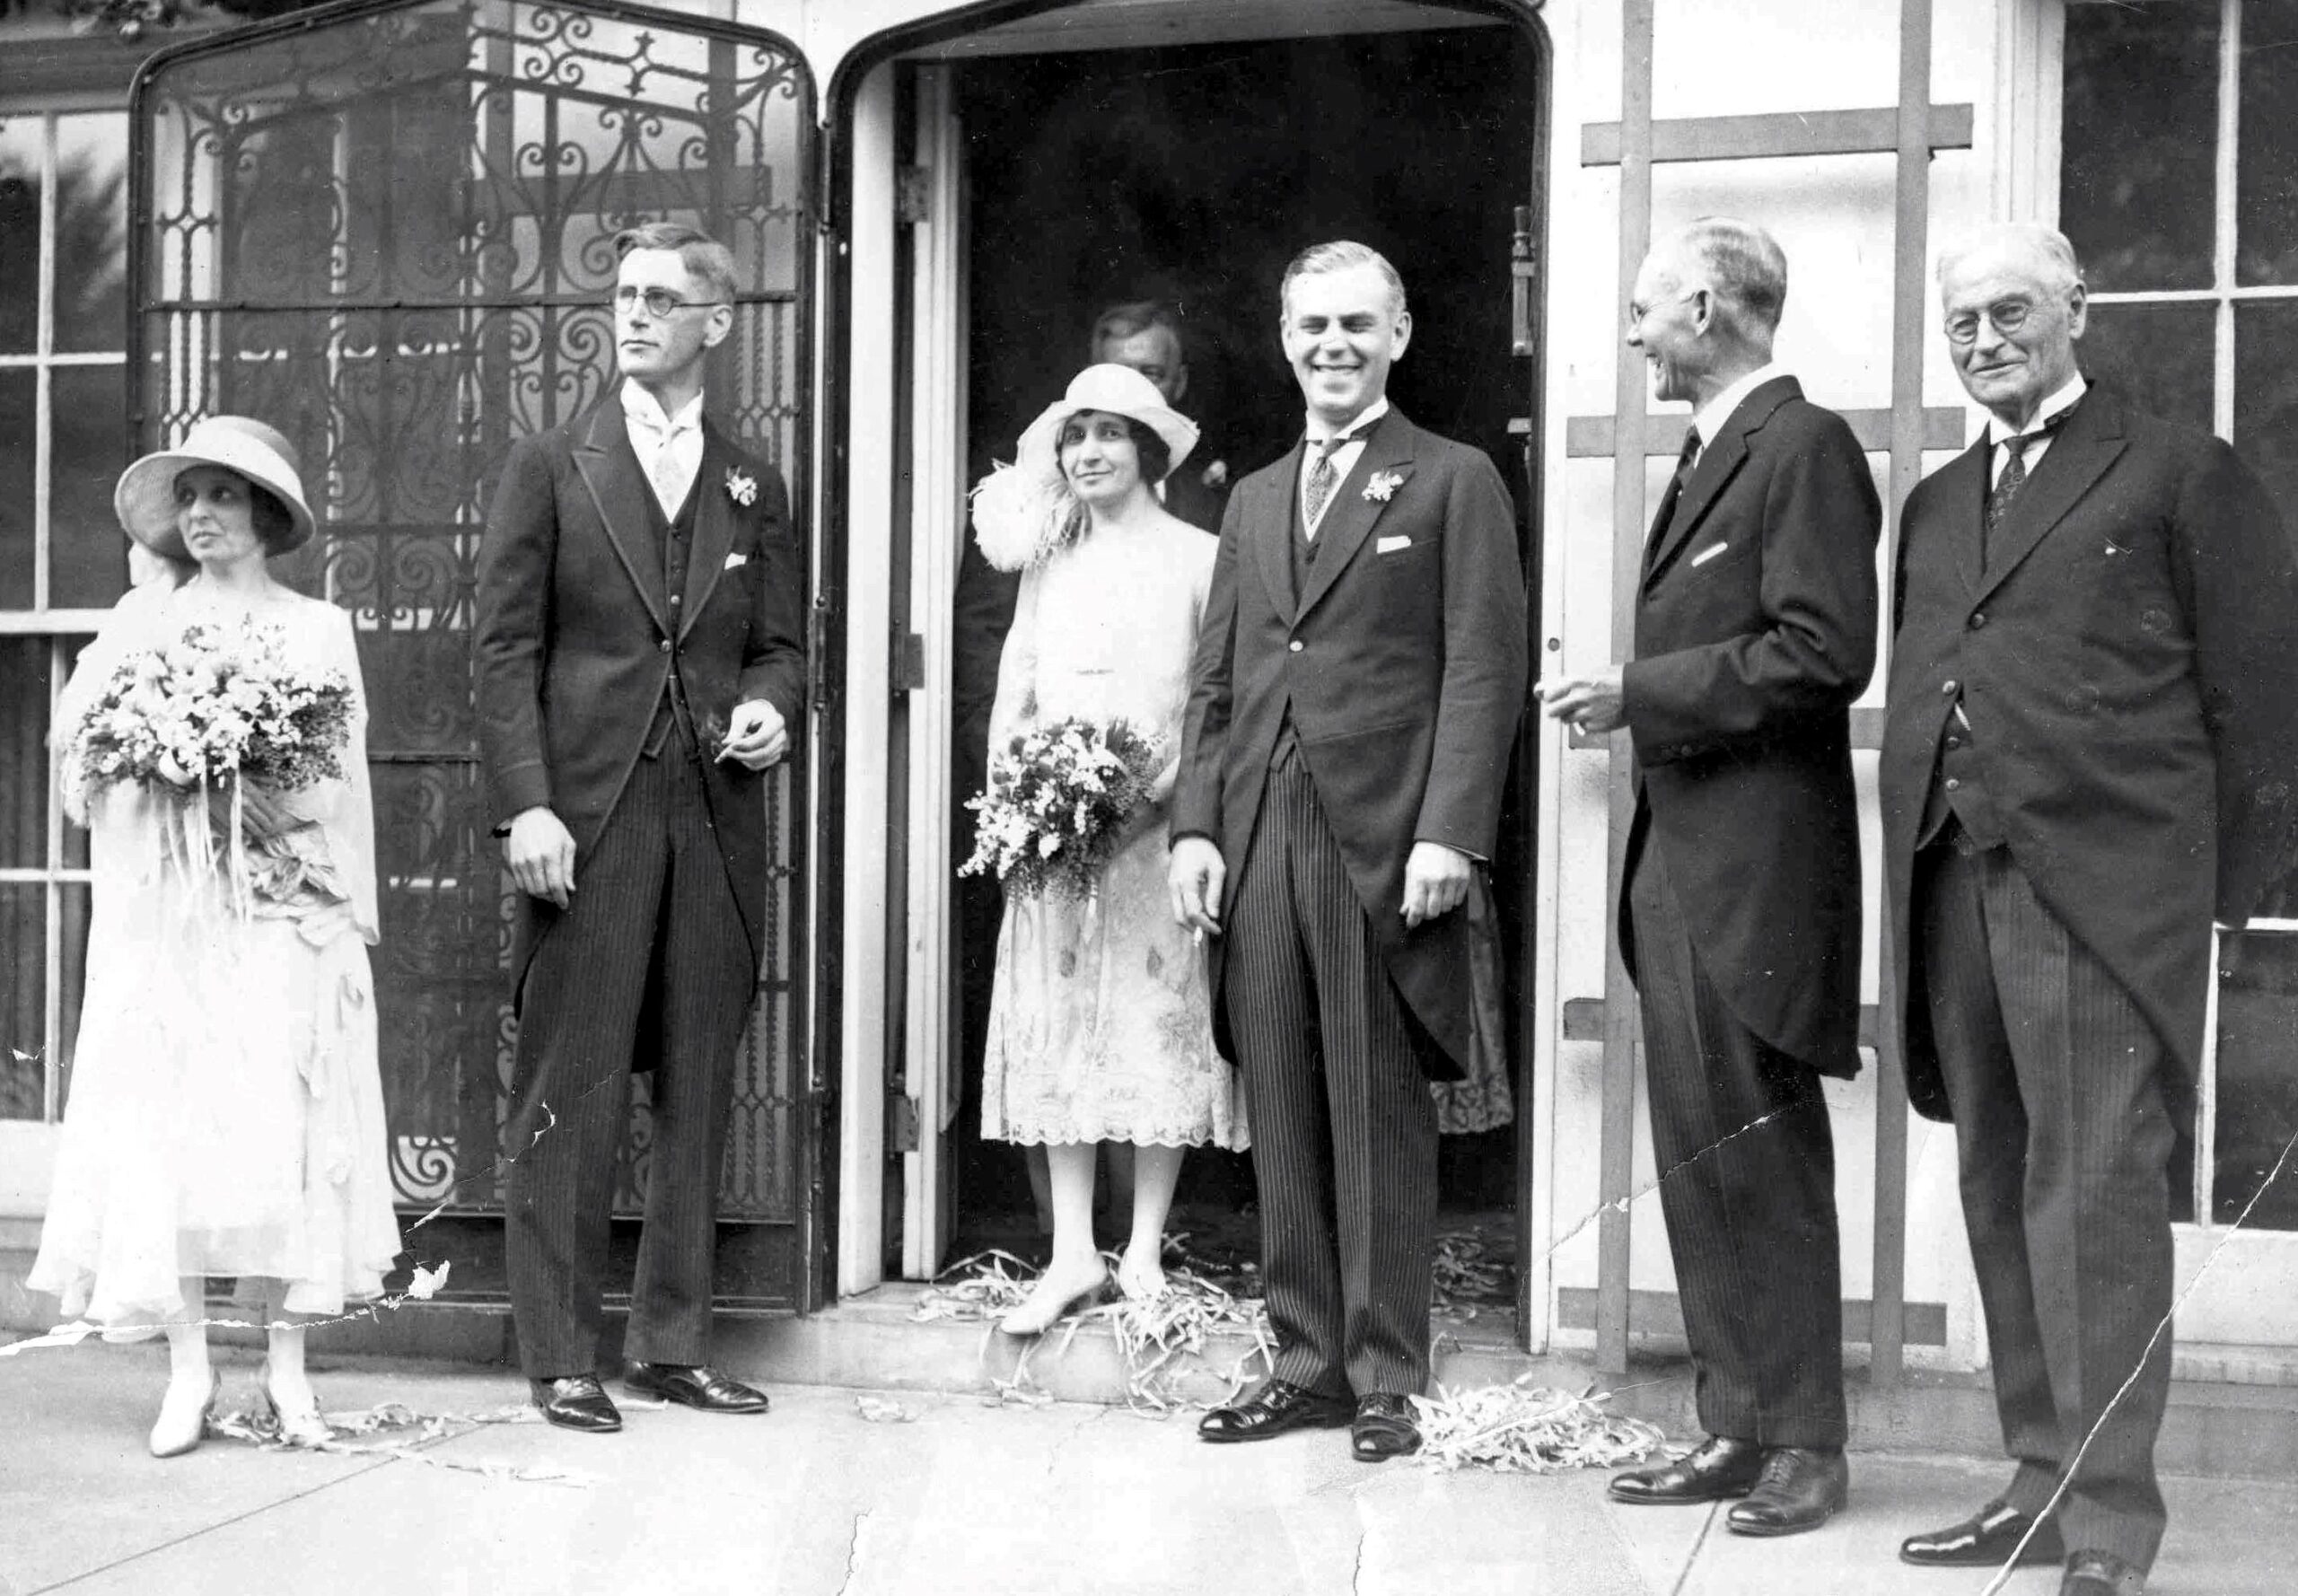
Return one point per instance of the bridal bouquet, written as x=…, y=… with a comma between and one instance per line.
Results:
x=1056, y=805
x=223, y=721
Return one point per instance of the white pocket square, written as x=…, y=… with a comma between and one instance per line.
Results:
x=1709, y=553
x=1390, y=545
x=737, y=559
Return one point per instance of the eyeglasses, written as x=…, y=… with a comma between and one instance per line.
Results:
x=660, y=302
x=2006, y=316
x=1633, y=318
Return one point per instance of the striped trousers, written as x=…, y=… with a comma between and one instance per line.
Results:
x=1741, y=1133
x=648, y=967
x=2064, y=1138
x=1344, y=1128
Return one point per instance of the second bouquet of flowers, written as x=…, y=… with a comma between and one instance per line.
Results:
x=1056, y=807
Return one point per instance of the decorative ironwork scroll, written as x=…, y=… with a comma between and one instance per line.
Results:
x=389, y=233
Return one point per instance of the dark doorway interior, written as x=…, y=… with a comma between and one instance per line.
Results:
x=1192, y=175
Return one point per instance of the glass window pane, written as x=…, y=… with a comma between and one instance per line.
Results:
x=2160, y=356
x=2266, y=171
x=19, y=389
x=2266, y=397
x=75, y=837
x=92, y=231
x=20, y=146
x=23, y=752
x=2140, y=121
x=23, y=993
x=2257, y=1078
x=87, y=553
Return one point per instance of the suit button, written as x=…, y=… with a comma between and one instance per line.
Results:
x=1954, y=785
x=1954, y=743
x=1950, y=687
x=1978, y=618
x=1295, y=646
x=675, y=598
x=664, y=646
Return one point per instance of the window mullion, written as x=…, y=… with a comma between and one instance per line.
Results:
x=2224, y=243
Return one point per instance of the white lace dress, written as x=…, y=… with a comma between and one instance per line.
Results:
x=226, y=1114
x=1101, y=1023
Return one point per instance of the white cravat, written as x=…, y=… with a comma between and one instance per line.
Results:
x=668, y=447
x=1344, y=459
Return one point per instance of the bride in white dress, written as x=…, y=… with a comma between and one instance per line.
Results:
x=1101, y=1021
x=225, y=1115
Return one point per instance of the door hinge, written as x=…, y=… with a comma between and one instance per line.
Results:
x=909, y=663
x=913, y=195
x=901, y=1122
x=1524, y=276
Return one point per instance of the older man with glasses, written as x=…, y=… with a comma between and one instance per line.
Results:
x=640, y=666
x=2089, y=753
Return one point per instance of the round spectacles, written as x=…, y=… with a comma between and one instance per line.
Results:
x=660, y=302
x=1632, y=317
x=2006, y=316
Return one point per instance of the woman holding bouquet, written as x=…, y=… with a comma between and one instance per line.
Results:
x=226, y=1116
x=1101, y=1021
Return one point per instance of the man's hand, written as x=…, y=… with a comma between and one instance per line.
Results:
x=540, y=852
x=1195, y=876
x=756, y=736
x=1595, y=703
x=1436, y=881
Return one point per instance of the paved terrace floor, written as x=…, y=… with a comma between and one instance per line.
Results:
x=942, y=1496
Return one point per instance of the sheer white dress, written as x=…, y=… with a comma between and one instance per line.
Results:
x=225, y=1113
x=1101, y=1020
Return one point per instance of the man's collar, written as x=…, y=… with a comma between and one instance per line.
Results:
x=642, y=407
x=1999, y=429
x=1710, y=417
x=1319, y=432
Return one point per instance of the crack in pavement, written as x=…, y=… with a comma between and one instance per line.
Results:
x=1053, y=1453
x=853, y=1551
x=2162, y=1328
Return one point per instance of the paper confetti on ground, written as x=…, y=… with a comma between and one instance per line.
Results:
x=394, y=1430
x=1162, y=1340
x=1523, y=1428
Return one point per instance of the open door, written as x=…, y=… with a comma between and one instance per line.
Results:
x=932, y=201
x=387, y=231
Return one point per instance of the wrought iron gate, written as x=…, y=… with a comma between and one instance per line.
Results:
x=387, y=229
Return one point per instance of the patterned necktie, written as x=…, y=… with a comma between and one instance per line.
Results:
x=1323, y=480
x=1674, y=491
x=2014, y=478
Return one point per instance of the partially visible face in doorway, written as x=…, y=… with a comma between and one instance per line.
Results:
x=1342, y=331
x=1665, y=322
x=1098, y=457
x=656, y=349
x=1156, y=354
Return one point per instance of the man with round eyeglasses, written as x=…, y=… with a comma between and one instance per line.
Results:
x=640, y=666
x=2088, y=754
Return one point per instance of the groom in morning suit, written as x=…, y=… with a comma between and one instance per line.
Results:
x=1755, y=629
x=2088, y=756
x=1357, y=683
x=640, y=663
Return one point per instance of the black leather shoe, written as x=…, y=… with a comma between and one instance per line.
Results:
x=1799, y=1488
x=576, y=1402
x=1385, y=1427
x=1719, y=1469
x=1278, y=1407
x=1984, y=1540
x=693, y=1385
x=2100, y=1573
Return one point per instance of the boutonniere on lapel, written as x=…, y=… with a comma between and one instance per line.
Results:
x=1383, y=485
x=741, y=486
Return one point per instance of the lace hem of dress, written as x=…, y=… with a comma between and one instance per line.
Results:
x=1234, y=1140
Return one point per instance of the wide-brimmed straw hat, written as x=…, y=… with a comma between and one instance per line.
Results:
x=1118, y=389
x=145, y=499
